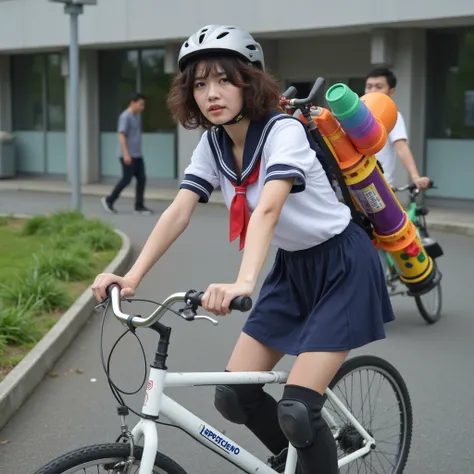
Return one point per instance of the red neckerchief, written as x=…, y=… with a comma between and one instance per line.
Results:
x=239, y=211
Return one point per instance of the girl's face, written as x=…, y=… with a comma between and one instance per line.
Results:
x=217, y=98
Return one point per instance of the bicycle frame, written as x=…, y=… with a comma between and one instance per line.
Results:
x=156, y=404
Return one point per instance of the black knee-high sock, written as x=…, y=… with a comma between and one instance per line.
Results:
x=320, y=456
x=262, y=421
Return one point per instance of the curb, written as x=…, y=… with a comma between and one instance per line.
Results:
x=17, y=386
x=452, y=228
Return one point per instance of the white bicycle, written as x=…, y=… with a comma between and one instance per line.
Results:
x=363, y=443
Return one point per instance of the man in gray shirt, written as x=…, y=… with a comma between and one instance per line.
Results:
x=129, y=151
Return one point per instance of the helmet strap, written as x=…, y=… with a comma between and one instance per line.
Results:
x=237, y=118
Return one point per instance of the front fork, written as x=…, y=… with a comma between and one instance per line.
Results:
x=124, y=467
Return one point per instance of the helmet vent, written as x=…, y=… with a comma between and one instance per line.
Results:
x=201, y=37
x=252, y=47
x=222, y=35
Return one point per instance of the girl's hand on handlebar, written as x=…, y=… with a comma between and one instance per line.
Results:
x=103, y=280
x=218, y=296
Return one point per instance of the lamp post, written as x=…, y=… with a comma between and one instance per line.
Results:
x=74, y=8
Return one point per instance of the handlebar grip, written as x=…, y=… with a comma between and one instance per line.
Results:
x=240, y=303
x=290, y=93
x=312, y=95
x=317, y=85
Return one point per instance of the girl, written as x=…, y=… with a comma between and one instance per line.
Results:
x=325, y=294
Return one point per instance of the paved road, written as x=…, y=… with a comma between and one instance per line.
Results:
x=70, y=410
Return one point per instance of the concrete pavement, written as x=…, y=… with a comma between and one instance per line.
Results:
x=72, y=409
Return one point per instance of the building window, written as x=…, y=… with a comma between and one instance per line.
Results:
x=38, y=93
x=450, y=112
x=357, y=84
x=155, y=85
x=450, y=86
x=126, y=71
x=117, y=80
x=28, y=94
x=55, y=94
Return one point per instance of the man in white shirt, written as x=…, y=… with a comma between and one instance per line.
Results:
x=382, y=79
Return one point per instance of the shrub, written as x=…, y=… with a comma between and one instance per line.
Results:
x=34, y=224
x=72, y=264
x=53, y=224
x=3, y=344
x=66, y=255
x=99, y=240
x=31, y=286
x=17, y=325
x=67, y=228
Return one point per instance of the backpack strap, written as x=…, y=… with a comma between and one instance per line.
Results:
x=332, y=169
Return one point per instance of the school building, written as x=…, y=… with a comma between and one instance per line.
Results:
x=129, y=45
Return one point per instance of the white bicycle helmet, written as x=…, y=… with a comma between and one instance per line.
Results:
x=216, y=38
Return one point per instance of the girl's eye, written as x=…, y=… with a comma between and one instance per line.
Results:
x=198, y=85
x=224, y=80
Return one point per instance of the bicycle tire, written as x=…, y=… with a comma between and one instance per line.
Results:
x=434, y=316
x=359, y=363
x=110, y=453
x=430, y=317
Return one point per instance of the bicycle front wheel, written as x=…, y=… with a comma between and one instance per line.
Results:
x=107, y=458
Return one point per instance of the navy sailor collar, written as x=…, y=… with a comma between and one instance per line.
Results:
x=255, y=139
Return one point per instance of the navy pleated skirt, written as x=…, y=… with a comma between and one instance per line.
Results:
x=331, y=297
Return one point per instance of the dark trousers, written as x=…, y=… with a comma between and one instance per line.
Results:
x=135, y=169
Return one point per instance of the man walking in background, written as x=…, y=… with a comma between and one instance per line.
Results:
x=129, y=151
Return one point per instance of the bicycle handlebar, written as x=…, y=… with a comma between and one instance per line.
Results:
x=287, y=98
x=192, y=298
x=412, y=187
x=240, y=303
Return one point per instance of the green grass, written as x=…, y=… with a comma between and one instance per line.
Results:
x=46, y=262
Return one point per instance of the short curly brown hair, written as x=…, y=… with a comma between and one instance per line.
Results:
x=261, y=90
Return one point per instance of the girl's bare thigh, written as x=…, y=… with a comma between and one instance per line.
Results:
x=251, y=355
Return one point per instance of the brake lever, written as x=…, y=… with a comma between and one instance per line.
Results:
x=189, y=314
x=212, y=320
x=101, y=305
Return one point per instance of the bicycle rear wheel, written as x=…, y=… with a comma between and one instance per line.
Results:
x=375, y=393
x=429, y=304
x=105, y=458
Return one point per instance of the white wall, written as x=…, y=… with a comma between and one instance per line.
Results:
x=35, y=24
x=409, y=67
x=304, y=59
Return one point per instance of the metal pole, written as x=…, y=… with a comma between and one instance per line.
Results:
x=74, y=113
